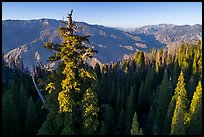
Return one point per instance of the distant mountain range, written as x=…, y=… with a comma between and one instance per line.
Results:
x=170, y=34
x=24, y=39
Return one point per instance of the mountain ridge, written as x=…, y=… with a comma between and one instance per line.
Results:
x=113, y=44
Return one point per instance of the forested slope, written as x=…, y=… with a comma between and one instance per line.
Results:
x=151, y=93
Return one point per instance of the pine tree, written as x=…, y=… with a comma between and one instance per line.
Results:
x=195, y=113
x=118, y=102
x=191, y=86
x=54, y=124
x=78, y=84
x=177, y=125
x=14, y=84
x=136, y=56
x=98, y=70
x=129, y=111
x=180, y=91
x=169, y=115
x=10, y=116
x=102, y=130
x=194, y=67
x=72, y=125
x=32, y=122
x=59, y=121
x=159, y=59
x=200, y=63
x=180, y=112
x=108, y=118
x=105, y=81
x=140, y=60
x=151, y=118
x=135, y=125
x=121, y=122
x=48, y=127
x=140, y=96
x=145, y=90
x=176, y=72
x=140, y=132
x=23, y=97
x=112, y=95
x=163, y=102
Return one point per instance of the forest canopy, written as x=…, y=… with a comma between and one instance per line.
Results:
x=155, y=93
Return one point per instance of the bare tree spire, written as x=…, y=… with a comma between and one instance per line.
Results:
x=70, y=24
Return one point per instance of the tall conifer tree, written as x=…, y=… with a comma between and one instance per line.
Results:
x=195, y=112
x=78, y=95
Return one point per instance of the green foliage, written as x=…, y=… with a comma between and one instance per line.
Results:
x=180, y=91
x=140, y=132
x=176, y=73
x=141, y=96
x=140, y=60
x=177, y=125
x=48, y=127
x=163, y=102
x=102, y=130
x=108, y=118
x=90, y=110
x=10, y=115
x=135, y=126
x=71, y=124
x=23, y=98
x=74, y=90
x=191, y=86
x=129, y=111
x=151, y=118
x=180, y=112
x=145, y=90
x=32, y=122
x=194, y=67
x=98, y=70
x=120, y=100
x=78, y=84
x=169, y=115
x=121, y=122
x=195, y=113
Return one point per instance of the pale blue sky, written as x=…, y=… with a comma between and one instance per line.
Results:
x=114, y=14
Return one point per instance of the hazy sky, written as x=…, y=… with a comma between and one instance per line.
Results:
x=114, y=14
